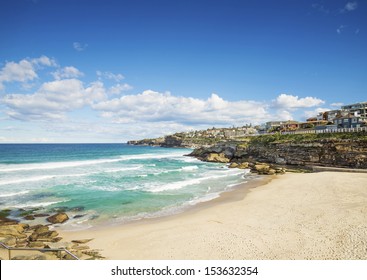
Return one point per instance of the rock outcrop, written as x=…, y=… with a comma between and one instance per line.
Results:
x=58, y=218
x=40, y=236
x=348, y=153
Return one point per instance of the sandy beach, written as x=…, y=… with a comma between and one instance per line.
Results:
x=294, y=216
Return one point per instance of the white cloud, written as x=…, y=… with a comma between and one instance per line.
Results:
x=110, y=76
x=18, y=72
x=23, y=71
x=294, y=102
x=118, y=88
x=151, y=106
x=67, y=73
x=351, y=6
x=53, y=100
x=313, y=113
x=79, y=46
x=282, y=115
x=44, y=60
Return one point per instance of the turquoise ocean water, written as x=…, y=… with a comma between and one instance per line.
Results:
x=104, y=183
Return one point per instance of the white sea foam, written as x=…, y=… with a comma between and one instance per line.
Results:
x=190, y=168
x=151, y=156
x=123, y=169
x=54, y=165
x=105, y=188
x=69, y=164
x=29, y=179
x=42, y=178
x=13, y=194
x=181, y=184
x=39, y=204
x=186, y=159
x=207, y=197
x=175, y=185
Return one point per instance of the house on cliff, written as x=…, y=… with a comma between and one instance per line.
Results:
x=350, y=121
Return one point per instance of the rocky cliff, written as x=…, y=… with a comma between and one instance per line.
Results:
x=331, y=152
x=177, y=140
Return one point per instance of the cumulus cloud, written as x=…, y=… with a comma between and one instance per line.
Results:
x=152, y=106
x=67, y=73
x=24, y=70
x=44, y=60
x=53, y=99
x=294, y=102
x=282, y=115
x=79, y=46
x=18, y=72
x=119, y=88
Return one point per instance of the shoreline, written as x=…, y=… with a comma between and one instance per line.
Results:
x=295, y=216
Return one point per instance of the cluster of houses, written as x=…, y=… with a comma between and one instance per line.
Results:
x=222, y=133
x=348, y=116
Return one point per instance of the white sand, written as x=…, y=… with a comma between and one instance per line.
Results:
x=295, y=216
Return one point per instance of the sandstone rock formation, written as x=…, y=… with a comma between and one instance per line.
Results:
x=349, y=153
x=58, y=218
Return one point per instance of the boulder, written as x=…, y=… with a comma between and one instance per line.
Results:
x=48, y=235
x=33, y=237
x=10, y=241
x=57, y=239
x=262, y=168
x=12, y=230
x=36, y=244
x=58, y=218
x=42, y=229
x=280, y=170
x=271, y=171
x=6, y=221
x=214, y=157
x=243, y=165
x=29, y=217
x=233, y=165
x=21, y=243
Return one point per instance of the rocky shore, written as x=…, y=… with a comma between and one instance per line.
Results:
x=272, y=154
x=15, y=233
x=343, y=153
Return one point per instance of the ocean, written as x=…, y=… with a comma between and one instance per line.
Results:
x=107, y=183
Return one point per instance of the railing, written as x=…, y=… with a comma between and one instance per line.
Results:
x=37, y=249
x=314, y=131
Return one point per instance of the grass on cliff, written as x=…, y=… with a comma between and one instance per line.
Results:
x=297, y=138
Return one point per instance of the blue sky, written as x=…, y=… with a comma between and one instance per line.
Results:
x=110, y=71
